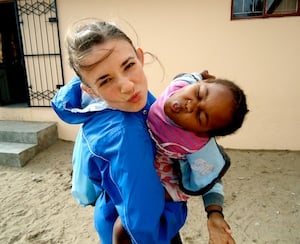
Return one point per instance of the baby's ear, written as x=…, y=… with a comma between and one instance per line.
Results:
x=88, y=90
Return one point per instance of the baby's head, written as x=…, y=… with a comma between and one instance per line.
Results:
x=214, y=107
x=239, y=109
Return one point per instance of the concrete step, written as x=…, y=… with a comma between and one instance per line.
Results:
x=16, y=154
x=43, y=134
x=22, y=140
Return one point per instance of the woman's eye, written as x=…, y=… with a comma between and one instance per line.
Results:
x=129, y=65
x=104, y=82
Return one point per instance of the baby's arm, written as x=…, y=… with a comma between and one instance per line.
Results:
x=202, y=169
x=218, y=228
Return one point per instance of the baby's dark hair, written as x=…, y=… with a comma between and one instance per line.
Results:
x=239, y=109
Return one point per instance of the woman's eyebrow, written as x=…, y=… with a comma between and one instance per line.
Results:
x=102, y=77
x=126, y=61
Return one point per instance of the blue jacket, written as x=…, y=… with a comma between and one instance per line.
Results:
x=118, y=154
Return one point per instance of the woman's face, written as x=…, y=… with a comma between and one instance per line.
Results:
x=115, y=74
x=200, y=107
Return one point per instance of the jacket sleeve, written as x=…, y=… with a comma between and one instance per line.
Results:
x=203, y=168
x=215, y=196
x=66, y=99
x=137, y=191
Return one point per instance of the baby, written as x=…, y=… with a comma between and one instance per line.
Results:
x=186, y=118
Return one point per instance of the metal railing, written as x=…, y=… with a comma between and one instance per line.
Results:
x=41, y=49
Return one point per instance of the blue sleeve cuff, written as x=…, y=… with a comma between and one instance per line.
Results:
x=213, y=198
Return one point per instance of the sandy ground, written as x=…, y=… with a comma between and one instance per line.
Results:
x=262, y=201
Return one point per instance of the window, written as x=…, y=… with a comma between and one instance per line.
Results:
x=245, y=9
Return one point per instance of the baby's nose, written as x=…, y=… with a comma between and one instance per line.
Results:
x=189, y=106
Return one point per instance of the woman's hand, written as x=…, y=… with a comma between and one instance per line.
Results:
x=219, y=230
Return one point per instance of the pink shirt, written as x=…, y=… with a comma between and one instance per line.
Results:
x=170, y=137
x=171, y=141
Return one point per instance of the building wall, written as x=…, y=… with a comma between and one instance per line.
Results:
x=261, y=55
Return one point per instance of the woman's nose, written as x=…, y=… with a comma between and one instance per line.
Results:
x=126, y=86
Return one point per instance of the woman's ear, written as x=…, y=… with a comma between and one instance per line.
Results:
x=140, y=55
x=88, y=90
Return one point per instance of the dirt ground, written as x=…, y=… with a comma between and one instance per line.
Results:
x=262, y=201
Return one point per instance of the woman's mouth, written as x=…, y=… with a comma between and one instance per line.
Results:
x=135, y=98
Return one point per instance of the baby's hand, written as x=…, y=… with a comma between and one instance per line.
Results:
x=219, y=230
x=206, y=75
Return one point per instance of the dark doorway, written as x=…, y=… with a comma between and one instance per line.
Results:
x=13, y=86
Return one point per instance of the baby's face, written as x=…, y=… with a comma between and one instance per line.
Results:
x=200, y=107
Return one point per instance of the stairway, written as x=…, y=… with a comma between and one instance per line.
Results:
x=20, y=141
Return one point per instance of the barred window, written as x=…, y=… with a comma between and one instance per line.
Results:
x=245, y=9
